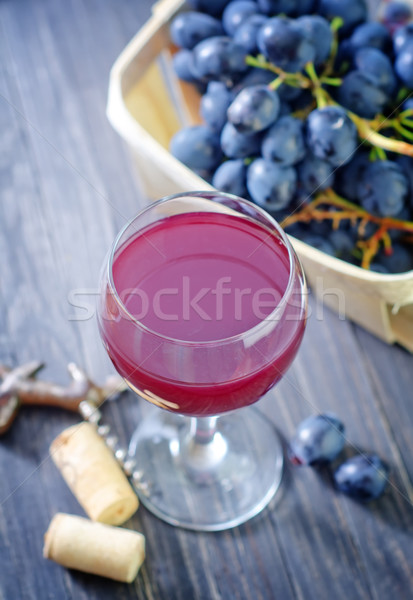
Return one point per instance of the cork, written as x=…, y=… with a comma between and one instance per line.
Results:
x=77, y=543
x=94, y=475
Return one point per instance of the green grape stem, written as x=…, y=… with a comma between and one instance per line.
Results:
x=367, y=133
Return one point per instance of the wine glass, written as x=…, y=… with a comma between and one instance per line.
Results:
x=202, y=310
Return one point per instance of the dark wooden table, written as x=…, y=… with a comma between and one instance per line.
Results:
x=67, y=184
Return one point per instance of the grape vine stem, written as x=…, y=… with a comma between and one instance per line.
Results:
x=319, y=209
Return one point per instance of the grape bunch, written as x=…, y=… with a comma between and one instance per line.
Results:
x=307, y=110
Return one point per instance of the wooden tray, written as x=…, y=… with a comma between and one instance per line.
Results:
x=147, y=104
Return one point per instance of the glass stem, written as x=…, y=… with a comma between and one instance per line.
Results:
x=203, y=429
x=204, y=446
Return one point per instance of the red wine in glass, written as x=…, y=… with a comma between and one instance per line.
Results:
x=202, y=312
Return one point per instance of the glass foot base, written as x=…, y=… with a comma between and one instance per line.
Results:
x=207, y=484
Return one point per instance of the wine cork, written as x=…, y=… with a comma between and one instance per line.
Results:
x=78, y=543
x=94, y=475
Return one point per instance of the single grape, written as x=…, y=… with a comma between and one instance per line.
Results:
x=331, y=135
x=314, y=175
x=183, y=63
x=304, y=7
x=371, y=35
x=344, y=57
x=396, y=14
x=219, y=58
x=254, y=109
x=214, y=105
x=189, y=28
x=378, y=268
x=269, y=185
x=407, y=105
x=404, y=215
x=362, y=477
x=286, y=7
x=284, y=43
x=377, y=67
x=406, y=165
x=235, y=144
x=404, y=64
x=401, y=36
x=319, y=439
x=197, y=147
x=254, y=77
x=319, y=34
x=383, y=188
x=400, y=260
x=236, y=13
x=319, y=242
x=211, y=7
x=361, y=94
x=348, y=176
x=230, y=177
x=285, y=109
x=284, y=143
x=353, y=12
x=246, y=33
x=344, y=243
x=288, y=93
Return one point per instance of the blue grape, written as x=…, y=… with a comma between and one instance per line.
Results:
x=402, y=36
x=348, y=176
x=285, y=109
x=319, y=34
x=371, y=35
x=317, y=241
x=235, y=144
x=288, y=93
x=189, y=28
x=254, y=109
x=214, y=105
x=236, y=12
x=254, y=77
x=314, y=175
x=360, y=94
x=304, y=7
x=246, y=33
x=211, y=7
x=408, y=105
x=269, y=185
x=230, y=177
x=344, y=243
x=319, y=439
x=283, y=43
x=284, y=143
x=219, y=58
x=377, y=67
x=286, y=7
x=183, y=63
x=396, y=14
x=362, y=477
x=197, y=147
x=404, y=64
x=400, y=260
x=406, y=165
x=383, y=188
x=404, y=215
x=353, y=12
x=331, y=135
x=343, y=57
x=378, y=268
